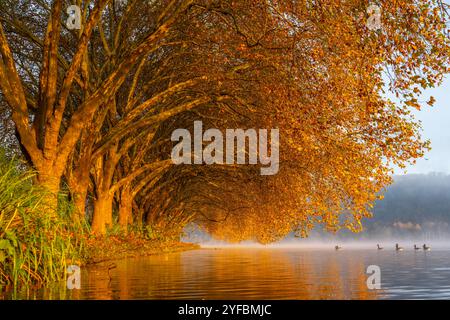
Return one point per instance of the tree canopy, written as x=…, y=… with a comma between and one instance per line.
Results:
x=94, y=109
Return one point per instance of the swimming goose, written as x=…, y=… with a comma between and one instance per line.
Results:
x=426, y=248
x=416, y=247
x=379, y=248
x=398, y=248
x=337, y=248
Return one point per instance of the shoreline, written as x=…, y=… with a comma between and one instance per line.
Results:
x=113, y=248
x=105, y=251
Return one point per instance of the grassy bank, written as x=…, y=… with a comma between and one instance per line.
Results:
x=111, y=248
x=38, y=243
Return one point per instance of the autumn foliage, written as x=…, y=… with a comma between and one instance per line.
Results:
x=94, y=108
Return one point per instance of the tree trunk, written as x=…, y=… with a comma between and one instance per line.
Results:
x=78, y=185
x=125, y=208
x=102, y=214
x=79, y=199
x=50, y=180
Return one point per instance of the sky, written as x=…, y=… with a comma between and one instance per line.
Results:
x=436, y=127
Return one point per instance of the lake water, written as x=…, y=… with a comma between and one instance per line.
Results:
x=263, y=273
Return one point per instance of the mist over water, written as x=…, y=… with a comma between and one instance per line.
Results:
x=387, y=244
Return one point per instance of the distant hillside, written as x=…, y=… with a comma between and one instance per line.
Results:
x=414, y=205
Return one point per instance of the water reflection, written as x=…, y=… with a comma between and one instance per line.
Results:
x=262, y=274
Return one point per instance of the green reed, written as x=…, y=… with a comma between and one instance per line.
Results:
x=36, y=245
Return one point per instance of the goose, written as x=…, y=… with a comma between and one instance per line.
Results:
x=398, y=248
x=425, y=248
x=416, y=247
x=337, y=248
x=379, y=248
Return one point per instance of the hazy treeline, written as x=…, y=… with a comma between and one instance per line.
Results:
x=417, y=203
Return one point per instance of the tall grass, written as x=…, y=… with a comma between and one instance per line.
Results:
x=36, y=245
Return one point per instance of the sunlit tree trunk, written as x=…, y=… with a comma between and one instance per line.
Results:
x=103, y=207
x=104, y=168
x=48, y=125
x=125, y=207
x=78, y=191
x=78, y=172
x=50, y=180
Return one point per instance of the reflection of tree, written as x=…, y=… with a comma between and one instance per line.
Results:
x=225, y=274
x=245, y=274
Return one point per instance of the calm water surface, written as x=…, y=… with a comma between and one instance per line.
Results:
x=277, y=273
